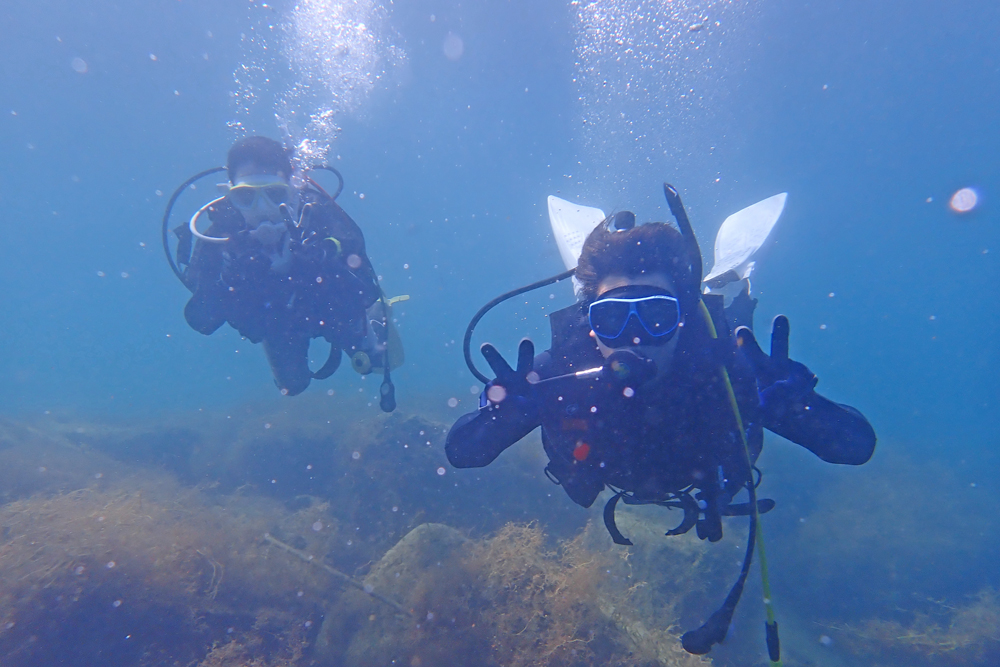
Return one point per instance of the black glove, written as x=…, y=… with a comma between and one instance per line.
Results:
x=515, y=383
x=779, y=379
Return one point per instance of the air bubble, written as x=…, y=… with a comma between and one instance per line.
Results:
x=964, y=200
x=453, y=46
x=496, y=394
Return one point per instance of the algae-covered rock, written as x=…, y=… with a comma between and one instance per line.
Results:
x=506, y=600
x=148, y=576
x=109, y=554
x=425, y=572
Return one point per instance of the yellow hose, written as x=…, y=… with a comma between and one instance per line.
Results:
x=761, y=555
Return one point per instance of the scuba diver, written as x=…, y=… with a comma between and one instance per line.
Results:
x=283, y=264
x=656, y=391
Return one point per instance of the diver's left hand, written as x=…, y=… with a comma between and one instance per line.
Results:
x=777, y=375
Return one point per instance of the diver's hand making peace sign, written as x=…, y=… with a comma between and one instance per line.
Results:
x=777, y=375
x=512, y=382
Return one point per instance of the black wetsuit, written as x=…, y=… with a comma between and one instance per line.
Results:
x=320, y=287
x=673, y=434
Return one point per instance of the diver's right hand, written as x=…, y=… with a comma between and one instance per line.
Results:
x=510, y=382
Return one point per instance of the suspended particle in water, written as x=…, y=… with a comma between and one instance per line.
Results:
x=825, y=640
x=152, y=56
x=329, y=392
x=453, y=46
x=317, y=526
x=353, y=261
x=452, y=402
x=964, y=200
x=356, y=455
x=628, y=392
x=79, y=65
x=441, y=471
x=101, y=274
x=116, y=604
x=473, y=390
x=110, y=564
x=496, y=394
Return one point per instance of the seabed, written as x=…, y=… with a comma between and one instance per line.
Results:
x=305, y=536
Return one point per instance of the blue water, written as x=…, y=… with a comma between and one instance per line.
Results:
x=869, y=114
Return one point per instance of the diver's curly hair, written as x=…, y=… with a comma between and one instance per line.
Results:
x=655, y=247
x=263, y=153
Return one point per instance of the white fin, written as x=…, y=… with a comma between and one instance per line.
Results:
x=740, y=236
x=571, y=224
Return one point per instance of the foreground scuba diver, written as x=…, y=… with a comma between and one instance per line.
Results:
x=283, y=265
x=646, y=391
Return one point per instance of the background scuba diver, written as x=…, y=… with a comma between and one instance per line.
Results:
x=630, y=395
x=283, y=265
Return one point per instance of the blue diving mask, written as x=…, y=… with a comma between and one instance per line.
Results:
x=635, y=315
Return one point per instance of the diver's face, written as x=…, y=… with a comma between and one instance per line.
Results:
x=258, y=195
x=636, y=338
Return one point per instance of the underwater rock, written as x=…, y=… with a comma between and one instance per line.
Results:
x=177, y=574
x=145, y=577
x=506, y=600
x=968, y=634
x=383, y=475
x=425, y=564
